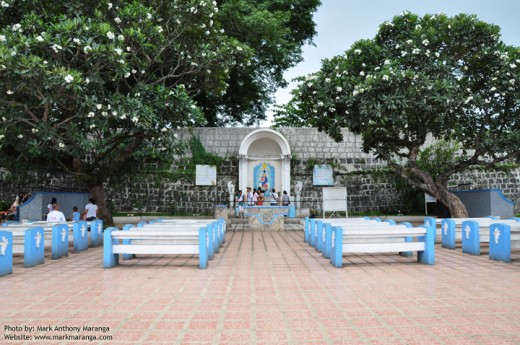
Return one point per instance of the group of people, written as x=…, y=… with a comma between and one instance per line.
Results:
x=55, y=215
x=257, y=198
x=10, y=214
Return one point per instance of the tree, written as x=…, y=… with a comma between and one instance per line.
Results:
x=449, y=79
x=274, y=32
x=92, y=87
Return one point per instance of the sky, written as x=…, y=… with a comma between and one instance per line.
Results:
x=340, y=23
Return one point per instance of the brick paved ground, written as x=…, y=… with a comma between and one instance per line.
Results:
x=268, y=288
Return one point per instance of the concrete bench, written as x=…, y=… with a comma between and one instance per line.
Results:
x=76, y=233
x=220, y=224
x=29, y=242
x=312, y=225
x=316, y=231
x=215, y=230
x=474, y=233
x=56, y=237
x=383, y=240
x=504, y=238
x=443, y=229
x=194, y=242
x=458, y=230
x=325, y=241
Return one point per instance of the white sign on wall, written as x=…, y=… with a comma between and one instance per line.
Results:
x=334, y=199
x=322, y=175
x=206, y=175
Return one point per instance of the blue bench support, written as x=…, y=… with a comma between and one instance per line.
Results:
x=319, y=239
x=127, y=227
x=336, y=253
x=500, y=242
x=317, y=224
x=427, y=256
x=60, y=241
x=34, y=251
x=96, y=233
x=308, y=229
x=470, y=237
x=433, y=223
x=210, y=245
x=222, y=232
x=448, y=233
x=6, y=253
x=203, y=248
x=328, y=240
x=80, y=233
x=430, y=221
x=109, y=258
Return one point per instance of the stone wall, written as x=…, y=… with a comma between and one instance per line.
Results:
x=367, y=189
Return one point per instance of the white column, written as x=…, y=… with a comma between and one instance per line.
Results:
x=286, y=175
x=242, y=172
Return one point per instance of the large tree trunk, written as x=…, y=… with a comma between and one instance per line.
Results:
x=457, y=208
x=104, y=213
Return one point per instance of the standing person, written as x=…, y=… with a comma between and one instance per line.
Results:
x=274, y=198
x=285, y=199
x=91, y=210
x=249, y=197
x=240, y=204
x=49, y=207
x=75, y=214
x=260, y=198
x=56, y=215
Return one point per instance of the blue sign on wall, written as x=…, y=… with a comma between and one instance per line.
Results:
x=264, y=177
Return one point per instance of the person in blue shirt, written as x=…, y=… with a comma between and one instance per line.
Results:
x=75, y=214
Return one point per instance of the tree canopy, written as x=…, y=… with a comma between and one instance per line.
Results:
x=274, y=32
x=450, y=79
x=92, y=86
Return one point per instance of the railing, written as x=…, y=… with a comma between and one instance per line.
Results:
x=207, y=209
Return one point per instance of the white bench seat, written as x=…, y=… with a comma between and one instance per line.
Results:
x=314, y=229
x=216, y=229
x=394, y=238
x=321, y=236
x=152, y=242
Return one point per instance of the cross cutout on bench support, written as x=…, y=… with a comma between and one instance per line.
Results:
x=3, y=246
x=496, y=234
x=63, y=234
x=467, y=229
x=38, y=239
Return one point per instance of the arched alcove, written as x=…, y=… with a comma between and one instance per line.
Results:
x=265, y=154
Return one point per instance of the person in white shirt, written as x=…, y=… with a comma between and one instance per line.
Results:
x=56, y=216
x=49, y=206
x=91, y=210
x=274, y=198
x=249, y=197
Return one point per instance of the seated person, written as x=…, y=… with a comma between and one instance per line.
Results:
x=56, y=215
x=12, y=213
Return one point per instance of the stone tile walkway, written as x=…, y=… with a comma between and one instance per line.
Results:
x=265, y=288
